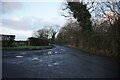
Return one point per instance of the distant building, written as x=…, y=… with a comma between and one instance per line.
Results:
x=20, y=43
x=37, y=42
x=7, y=40
x=7, y=37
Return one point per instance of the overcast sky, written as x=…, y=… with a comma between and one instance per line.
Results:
x=23, y=18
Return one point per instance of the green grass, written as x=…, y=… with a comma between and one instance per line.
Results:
x=26, y=47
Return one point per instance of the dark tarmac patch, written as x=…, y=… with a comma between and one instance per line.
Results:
x=47, y=53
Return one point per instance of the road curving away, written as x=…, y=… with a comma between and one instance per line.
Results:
x=58, y=62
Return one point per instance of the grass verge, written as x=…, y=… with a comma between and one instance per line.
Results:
x=27, y=48
x=87, y=51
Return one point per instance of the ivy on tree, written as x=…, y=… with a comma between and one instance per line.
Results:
x=80, y=12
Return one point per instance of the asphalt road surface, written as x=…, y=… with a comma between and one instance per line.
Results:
x=58, y=62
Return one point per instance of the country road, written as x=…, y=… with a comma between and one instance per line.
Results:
x=58, y=62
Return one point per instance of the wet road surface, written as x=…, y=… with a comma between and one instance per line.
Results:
x=58, y=62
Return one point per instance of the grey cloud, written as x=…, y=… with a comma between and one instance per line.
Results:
x=17, y=25
x=24, y=24
x=8, y=7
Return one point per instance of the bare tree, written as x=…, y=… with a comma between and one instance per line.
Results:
x=53, y=29
x=48, y=32
x=42, y=33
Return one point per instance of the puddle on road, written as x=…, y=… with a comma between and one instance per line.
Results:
x=54, y=64
x=56, y=52
x=19, y=56
x=35, y=59
x=63, y=49
x=49, y=65
x=47, y=53
x=43, y=53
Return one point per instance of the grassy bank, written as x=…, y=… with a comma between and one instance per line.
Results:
x=90, y=52
x=27, y=48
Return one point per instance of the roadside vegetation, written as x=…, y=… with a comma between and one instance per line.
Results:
x=92, y=28
x=27, y=47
